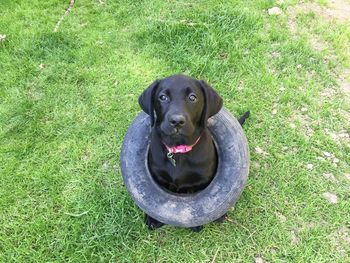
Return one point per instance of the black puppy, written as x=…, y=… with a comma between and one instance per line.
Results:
x=182, y=157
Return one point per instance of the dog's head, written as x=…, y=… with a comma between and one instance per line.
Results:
x=179, y=107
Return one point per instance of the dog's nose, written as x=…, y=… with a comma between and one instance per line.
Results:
x=177, y=120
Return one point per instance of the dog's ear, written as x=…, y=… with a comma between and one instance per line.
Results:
x=146, y=100
x=212, y=101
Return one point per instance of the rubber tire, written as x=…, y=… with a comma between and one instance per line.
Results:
x=187, y=210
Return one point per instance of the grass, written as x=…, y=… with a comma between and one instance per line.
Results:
x=67, y=98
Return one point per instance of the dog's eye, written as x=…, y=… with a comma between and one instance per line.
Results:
x=192, y=98
x=163, y=97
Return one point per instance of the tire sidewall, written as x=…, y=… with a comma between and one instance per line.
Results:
x=187, y=210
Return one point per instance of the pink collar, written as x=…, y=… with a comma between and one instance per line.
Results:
x=181, y=148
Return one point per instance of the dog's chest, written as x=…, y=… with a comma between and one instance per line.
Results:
x=184, y=172
x=188, y=171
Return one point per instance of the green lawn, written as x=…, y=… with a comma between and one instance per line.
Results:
x=68, y=97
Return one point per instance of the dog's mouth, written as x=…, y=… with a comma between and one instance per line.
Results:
x=173, y=136
x=175, y=132
x=178, y=137
x=175, y=139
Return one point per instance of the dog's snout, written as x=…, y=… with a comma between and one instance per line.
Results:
x=177, y=120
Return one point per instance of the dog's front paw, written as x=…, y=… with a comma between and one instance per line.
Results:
x=152, y=223
x=196, y=228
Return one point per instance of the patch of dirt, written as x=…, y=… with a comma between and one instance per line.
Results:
x=330, y=177
x=318, y=44
x=341, y=240
x=343, y=81
x=294, y=237
x=332, y=198
x=292, y=17
x=331, y=158
x=337, y=9
x=34, y=95
x=339, y=137
x=328, y=93
x=347, y=176
x=281, y=217
x=305, y=121
x=256, y=165
x=258, y=150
